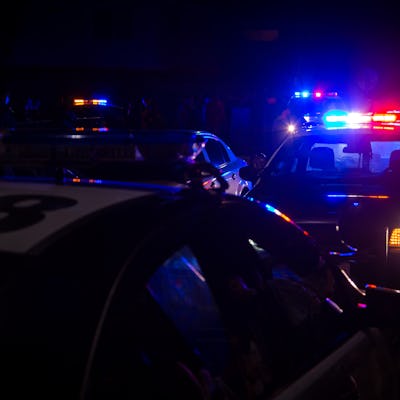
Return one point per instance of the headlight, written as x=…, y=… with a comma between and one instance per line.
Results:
x=291, y=128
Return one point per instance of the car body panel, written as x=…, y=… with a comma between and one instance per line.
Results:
x=48, y=209
x=346, y=381
x=336, y=204
x=150, y=289
x=77, y=151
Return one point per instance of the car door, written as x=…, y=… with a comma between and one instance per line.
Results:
x=162, y=330
x=177, y=324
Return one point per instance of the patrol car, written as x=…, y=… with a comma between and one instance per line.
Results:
x=114, y=289
x=95, y=115
x=79, y=150
x=311, y=105
x=339, y=179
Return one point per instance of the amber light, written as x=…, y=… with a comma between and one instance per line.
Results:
x=387, y=117
x=394, y=240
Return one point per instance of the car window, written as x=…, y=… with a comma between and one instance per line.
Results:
x=216, y=152
x=205, y=296
x=180, y=289
x=159, y=328
x=270, y=258
x=343, y=154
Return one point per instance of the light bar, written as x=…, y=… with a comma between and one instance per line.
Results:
x=318, y=94
x=343, y=119
x=303, y=94
x=93, y=129
x=95, y=102
x=386, y=117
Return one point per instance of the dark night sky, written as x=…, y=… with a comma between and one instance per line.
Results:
x=343, y=44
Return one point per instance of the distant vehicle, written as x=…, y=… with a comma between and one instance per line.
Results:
x=95, y=115
x=117, y=289
x=306, y=109
x=312, y=105
x=118, y=151
x=339, y=181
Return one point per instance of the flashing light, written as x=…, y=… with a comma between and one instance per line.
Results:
x=383, y=128
x=291, y=128
x=335, y=119
x=386, y=121
x=394, y=240
x=94, y=102
x=304, y=94
x=341, y=118
x=95, y=129
x=318, y=94
x=358, y=118
x=387, y=117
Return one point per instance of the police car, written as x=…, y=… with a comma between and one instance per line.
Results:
x=307, y=107
x=116, y=153
x=126, y=288
x=94, y=115
x=339, y=179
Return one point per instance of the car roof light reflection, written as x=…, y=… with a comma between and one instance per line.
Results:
x=280, y=214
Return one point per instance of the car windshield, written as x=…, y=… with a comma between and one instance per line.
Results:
x=340, y=154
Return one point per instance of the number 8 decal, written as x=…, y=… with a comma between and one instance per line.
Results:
x=21, y=211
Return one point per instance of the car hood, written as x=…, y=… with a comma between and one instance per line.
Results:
x=33, y=213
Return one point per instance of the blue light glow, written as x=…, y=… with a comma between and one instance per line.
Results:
x=275, y=211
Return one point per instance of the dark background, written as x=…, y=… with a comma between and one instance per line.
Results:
x=254, y=53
